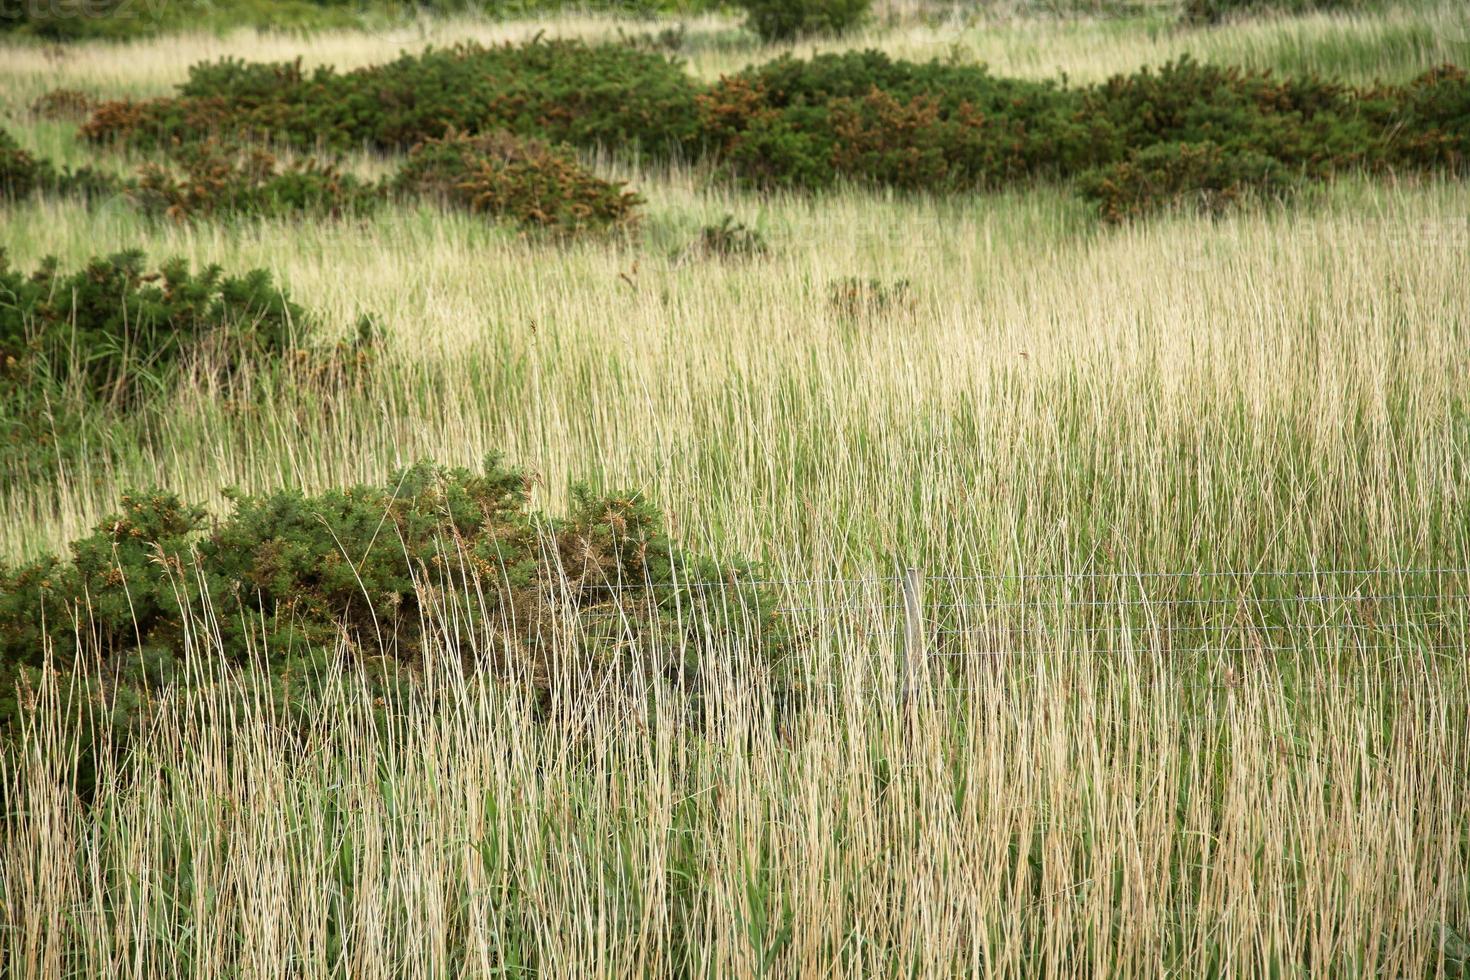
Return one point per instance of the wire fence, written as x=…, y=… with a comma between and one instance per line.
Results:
x=1363, y=610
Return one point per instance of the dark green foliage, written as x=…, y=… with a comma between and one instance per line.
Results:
x=1196, y=176
x=528, y=181
x=498, y=174
x=434, y=556
x=83, y=355
x=862, y=116
x=561, y=91
x=215, y=181
x=785, y=20
x=62, y=20
x=113, y=327
x=853, y=116
x=23, y=173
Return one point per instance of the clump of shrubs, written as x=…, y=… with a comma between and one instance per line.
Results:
x=85, y=352
x=113, y=325
x=497, y=174
x=435, y=558
x=1201, y=177
x=526, y=180
x=863, y=117
x=605, y=95
x=1186, y=132
x=215, y=181
x=786, y=20
x=23, y=173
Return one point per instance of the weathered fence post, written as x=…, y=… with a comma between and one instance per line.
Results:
x=911, y=673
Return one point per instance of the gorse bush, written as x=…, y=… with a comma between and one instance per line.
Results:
x=215, y=181
x=853, y=116
x=23, y=173
x=785, y=20
x=435, y=558
x=1197, y=176
x=84, y=355
x=861, y=116
x=525, y=180
x=114, y=327
x=496, y=174
x=608, y=95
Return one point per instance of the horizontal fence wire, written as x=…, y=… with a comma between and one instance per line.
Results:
x=1236, y=612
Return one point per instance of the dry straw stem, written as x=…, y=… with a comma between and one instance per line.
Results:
x=1067, y=815
x=1279, y=388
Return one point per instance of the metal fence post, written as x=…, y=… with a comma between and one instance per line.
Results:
x=911, y=647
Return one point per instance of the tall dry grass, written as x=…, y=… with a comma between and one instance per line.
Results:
x=1063, y=813
x=1279, y=389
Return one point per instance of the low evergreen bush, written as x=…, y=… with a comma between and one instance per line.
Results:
x=605, y=95
x=214, y=181
x=857, y=116
x=525, y=180
x=435, y=558
x=1193, y=176
x=786, y=20
x=83, y=355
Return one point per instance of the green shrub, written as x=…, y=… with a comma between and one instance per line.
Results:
x=561, y=91
x=864, y=116
x=1423, y=125
x=1195, y=176
x=83, y=355
x=785, y=20
x=525, y=180
x=21, y=172
x=215, y=181
x=852, y=116
x=64, y=20
x=435, y=557
x=112, y=327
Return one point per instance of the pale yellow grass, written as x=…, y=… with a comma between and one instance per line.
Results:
x=1067, y=817
x=1278, y=384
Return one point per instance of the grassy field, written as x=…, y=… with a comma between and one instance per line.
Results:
x=1279, y=389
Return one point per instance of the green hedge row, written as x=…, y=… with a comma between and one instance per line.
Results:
x=1206, y=133
x=558, y=91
